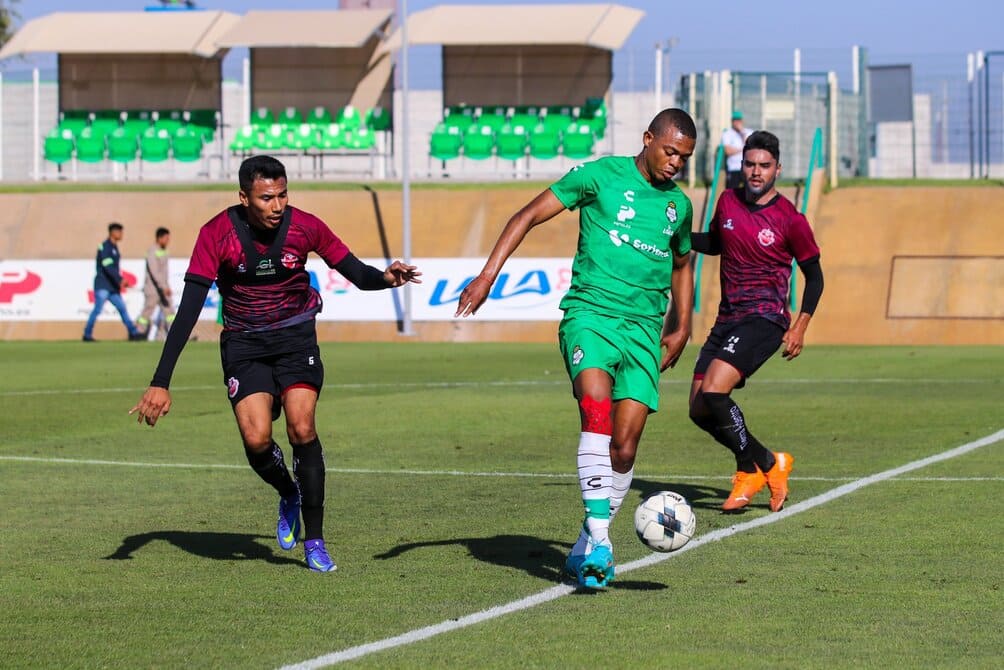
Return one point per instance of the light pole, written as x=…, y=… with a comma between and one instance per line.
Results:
x=662, y=50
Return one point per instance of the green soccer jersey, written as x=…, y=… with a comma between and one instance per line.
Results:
x=628, y=233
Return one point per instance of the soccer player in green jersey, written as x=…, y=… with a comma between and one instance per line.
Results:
x=633, y=251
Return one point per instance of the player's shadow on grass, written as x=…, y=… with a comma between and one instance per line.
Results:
x=217, y=546
x=699, y=496
x=539, y=558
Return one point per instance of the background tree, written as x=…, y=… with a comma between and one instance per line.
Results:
x=8, y=16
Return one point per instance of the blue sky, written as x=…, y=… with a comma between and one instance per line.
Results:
x=714, y=34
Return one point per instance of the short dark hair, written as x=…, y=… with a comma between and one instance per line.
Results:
x=673, y=118
x=114, y=226
x=765, y=140
x=259, y=167
x=161, y=232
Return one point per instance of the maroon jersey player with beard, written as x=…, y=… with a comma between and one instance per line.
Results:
x=757, y=232
x=256, y=253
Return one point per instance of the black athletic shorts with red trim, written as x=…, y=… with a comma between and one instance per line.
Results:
x=271, y=361
x=745, y=345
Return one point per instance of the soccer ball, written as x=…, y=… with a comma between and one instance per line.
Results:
x=665, y=521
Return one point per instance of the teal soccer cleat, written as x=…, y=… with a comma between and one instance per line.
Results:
x=597, y=569
x=317, y=556
x=572, y=565
x=287, y=529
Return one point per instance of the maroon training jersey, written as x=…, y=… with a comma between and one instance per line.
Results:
x=274, y=290
x=758, y=244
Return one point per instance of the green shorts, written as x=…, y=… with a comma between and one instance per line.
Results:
x=630, y=353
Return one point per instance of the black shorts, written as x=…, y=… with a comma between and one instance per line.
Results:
x=271, y=361
x=745, y=345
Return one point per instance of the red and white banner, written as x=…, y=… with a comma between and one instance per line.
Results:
x=528, y=289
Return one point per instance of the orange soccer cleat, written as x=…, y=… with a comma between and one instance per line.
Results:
x=777, y=480
x=745, y=485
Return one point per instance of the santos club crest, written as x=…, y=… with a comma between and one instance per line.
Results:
x=671, y=212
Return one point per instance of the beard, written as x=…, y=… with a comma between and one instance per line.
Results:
x=754, y=193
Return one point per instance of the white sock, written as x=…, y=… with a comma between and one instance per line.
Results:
x=619, y=487
x=595, y=476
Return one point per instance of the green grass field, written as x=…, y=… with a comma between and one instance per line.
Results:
x=451, y=491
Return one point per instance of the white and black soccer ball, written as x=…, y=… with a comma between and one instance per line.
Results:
x=665, y=521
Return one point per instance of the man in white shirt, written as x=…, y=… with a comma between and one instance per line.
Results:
x=733, y=140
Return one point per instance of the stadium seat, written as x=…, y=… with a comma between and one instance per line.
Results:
x=244, y=140
x=319, y=116
x=169, y=120
x=544, y=142
x=349, y=118
x=273, y=139
x=303, y=138
x=360, y=139
x=186, y=145
x=330, y=137
x=594, y=113
x=460, y=117
x=511, y=142
x=90, y=146
x=136, y=122
x=104, y=122
x=206, y=121
x=558, y=118
x=445, y=143
x=58, y=148
x=155, y=146
x=290, y=117
x=479, y=142
x=262, y=117
x=577, y=141
x=73, y=120
x=524, y=119
x=378, y=119
x=122, y=146
x=493, y=118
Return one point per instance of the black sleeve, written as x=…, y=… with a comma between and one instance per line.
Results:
x=364, y=277
x=706, y=243
x=813, y=274
x=192, y=300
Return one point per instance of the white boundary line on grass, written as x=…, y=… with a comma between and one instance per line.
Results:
x=555, y=592
x=473, y=384
x=448, y=473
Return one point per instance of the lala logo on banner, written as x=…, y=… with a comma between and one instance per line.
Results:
x=17, y=282
x=533, y=282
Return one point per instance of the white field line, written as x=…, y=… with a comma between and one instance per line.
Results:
x=555, y=592
x=475, y=384
x=452, y=473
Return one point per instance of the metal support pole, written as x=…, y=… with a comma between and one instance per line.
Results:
x=970, y=75
x=246, y=90
x=406, y=325
x=36, y=150
x=658, y=77
x=832, y=150
x=797, y=149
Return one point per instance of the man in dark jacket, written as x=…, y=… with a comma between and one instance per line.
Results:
x=108, y=285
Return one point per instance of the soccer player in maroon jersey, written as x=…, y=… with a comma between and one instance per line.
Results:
x=256, y=253
x=757, y=232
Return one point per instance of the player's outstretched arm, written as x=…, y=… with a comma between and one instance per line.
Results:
x=545, y=206
x=399, y=274
x=682, y=290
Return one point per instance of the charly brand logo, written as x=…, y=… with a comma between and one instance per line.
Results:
x=728, y=225
x=17, y=282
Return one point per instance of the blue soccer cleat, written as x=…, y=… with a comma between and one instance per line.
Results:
x=287, y=529
x=597, y=570
x=317, y=556
x=572, y=565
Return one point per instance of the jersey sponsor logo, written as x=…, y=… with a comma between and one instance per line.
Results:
x=266, y=268
x=671, y=211
x=232, y=386
x=620, y=238
x=765, y=237
x=18, y=282
x=625, y=213
x=289, y=261
x=577, y=355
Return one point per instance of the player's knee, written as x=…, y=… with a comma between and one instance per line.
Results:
x=301, y=432
x=256, y=442
x=717, y=403
x=597, y=415
x=623, y=452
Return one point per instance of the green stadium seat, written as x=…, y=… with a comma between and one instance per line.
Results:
x=244, y=140
x=492, y=118
x=104, y=122
x=460, y=117
x=262, y=117
x=511, y=142
x=136, y=122
x=273, y=139
x=558, y=120
x=155, y=146
x=290, y=117
x=74, y=124
x=577, y=142
x=445, y=142
x=378, y=119
x=304, y=137
x=544, y=142
x=319, y=116
x=90, y=146
x=594, y=113
x=58, y=148
x=169, y=120
x=330, y=137
x=122, y=146
x=349, y=118
x=479, y=142
x=206, y=121
x=360, y=139
x=526, y=120
x=186, y=145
